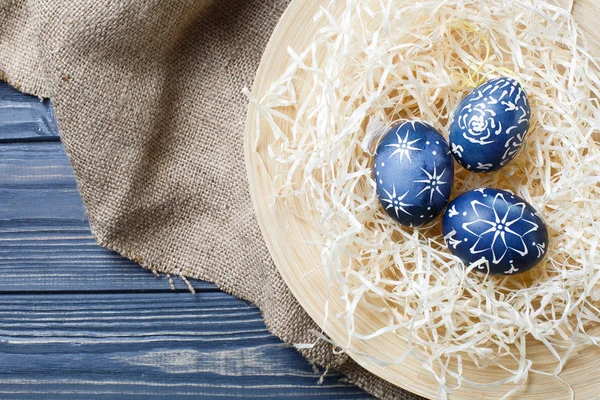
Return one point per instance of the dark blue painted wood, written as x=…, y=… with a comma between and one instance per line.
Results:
x=45, y=240
x=25, y=117
x=80, y=322
x=167, y=345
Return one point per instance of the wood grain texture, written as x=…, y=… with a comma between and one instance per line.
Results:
x=169, y=345
x=25, y=117
x=289, y=234
x=45, y=240
x=80, y=322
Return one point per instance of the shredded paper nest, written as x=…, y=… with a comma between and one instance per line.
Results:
x=381, y=61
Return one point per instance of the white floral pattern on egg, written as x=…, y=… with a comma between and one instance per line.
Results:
x=490, y=125
x=497, y=229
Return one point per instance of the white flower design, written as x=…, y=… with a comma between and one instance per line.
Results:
x=512, y=146
x=452, y=212
x=433, y=183
x=478, y=123
x=403, y=147
x=484, y=167
x=510, y=106
x=457, y=149
x=449, y=238
x=505, y=232
x=395, y=201
x=512, y=269
x=478, y=120
x=541, y=248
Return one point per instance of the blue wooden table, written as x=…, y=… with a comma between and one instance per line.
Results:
x=80, y=322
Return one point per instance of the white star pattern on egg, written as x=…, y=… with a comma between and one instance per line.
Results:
x=404, y=159
x=395, y=201
x=433, y=183
x=404, y=147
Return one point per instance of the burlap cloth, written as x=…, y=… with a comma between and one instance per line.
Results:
x=147, y=95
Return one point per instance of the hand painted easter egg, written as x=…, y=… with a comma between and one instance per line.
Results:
x=497, y=227
x=489, y=125
x=414, y=173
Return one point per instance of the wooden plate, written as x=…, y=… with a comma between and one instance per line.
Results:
x=286, y=235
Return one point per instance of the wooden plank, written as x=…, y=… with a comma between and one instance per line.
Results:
x=159, y=345
x=45, y=240
x=109, y=345
x=69, y=337
x=24, y=117
x=63, y=256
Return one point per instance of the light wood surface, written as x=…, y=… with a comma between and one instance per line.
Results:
x=285, y=234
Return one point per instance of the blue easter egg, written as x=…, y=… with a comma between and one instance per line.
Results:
x=498, y=227
x=414, y=173
x=489, y=125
